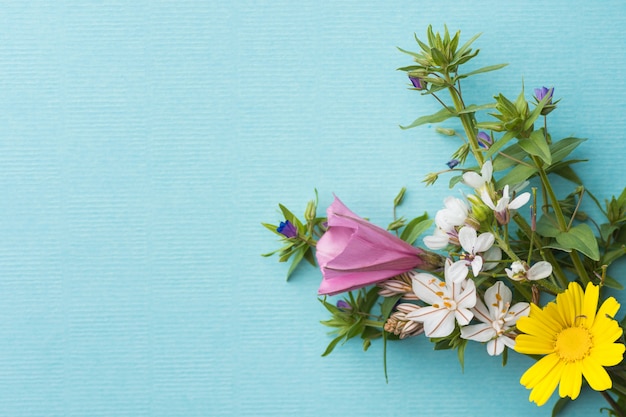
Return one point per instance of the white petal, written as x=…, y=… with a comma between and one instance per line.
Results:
x=426, y=287
x=483, y=242
x=478, y=332
x=456, y=272
x=437, y=241
x=510, y=343
x=467, y=238
x=539, y=270
x=495, y=346
x=467, y=299
x=473, y=180
x=487, y=171
x=481, y=312
x=438, y=322
x=463, y=316
x=487, y=199
x=515, y=312
x=496, y=296
x=519, y=201
x=477, y=265
x=492, y=257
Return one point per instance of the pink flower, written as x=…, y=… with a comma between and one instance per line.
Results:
x=354, y=253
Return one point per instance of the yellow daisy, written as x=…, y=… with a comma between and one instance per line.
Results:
x=576, y=340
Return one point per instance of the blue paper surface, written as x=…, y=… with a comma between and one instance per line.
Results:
x=143, y=143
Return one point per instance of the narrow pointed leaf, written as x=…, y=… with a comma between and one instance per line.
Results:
x=440, y=116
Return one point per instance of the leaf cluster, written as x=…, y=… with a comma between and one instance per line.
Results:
x=300, y=247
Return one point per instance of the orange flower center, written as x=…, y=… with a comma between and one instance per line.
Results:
x=573, y=344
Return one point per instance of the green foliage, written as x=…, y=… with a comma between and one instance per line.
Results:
x=299, y=247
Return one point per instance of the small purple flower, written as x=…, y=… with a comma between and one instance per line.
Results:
x=287, y=229
x=484, y=140
x=343, y=305
x=452, y=163
x=418, y=83
x=542, y=92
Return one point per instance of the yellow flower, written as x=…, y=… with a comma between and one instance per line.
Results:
x=576, y=340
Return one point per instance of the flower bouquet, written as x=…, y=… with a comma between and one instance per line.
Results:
x=508, y=264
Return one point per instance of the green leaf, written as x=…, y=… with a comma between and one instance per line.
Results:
x=475, y=107
x=482, y=70
x=499, y=144
x=564, y=147
x=296, y=260
x=308, y=255
x=582, y=239
x=545, y=227
x=332, y=345
x=560, y=405
x=536, y=112
x=517, y=175
x=508, y=157
x=415, y=228
x=387, y=305
x=414, y=54
x=455, y=180
x=612, y=283
x=564, y=170
x=466, y=45
x=291, y=217
x=536, y=145
x=440, y=116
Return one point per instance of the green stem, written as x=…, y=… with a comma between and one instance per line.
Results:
x=546, y=253
x=560, y=218
x=372, y=323
x=616, y=408
x=466, y=121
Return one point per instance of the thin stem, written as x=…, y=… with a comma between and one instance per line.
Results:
x=560, y=218
x=466, y=121
x=616, y=408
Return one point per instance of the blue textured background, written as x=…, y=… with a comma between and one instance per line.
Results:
x=143, y=142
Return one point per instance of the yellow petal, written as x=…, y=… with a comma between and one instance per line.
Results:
x=571, y=380
x=595, y=374
x=532, y=345
x=608, y=354
x=590, y=303
x=544, y=389
x=539, y=371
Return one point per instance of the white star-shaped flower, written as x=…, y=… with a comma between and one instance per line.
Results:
x=447, y=219
x=482, y=181
x=504, y=205
x=450, y=301
x=497, y=317
x=519, y=271
x=473, y=245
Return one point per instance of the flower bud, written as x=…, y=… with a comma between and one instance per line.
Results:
x=310, y=212
x=418, y=83
x=287, y=229
x=480, y=211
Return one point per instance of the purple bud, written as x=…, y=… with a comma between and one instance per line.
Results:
x=287, y=229
x=484, y=140
x=452, y=163
x=542, y=92
x=418, y=83
x=344, y=305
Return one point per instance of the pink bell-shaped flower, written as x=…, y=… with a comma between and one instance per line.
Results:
x=354, y=253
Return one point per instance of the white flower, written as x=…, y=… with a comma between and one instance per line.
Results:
x=449, y=301
x=505, y=204
x=482, y=181
x=520, y=271
x=473, y=245
x=454, y=214
x=497, y=318
x=447, y=219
